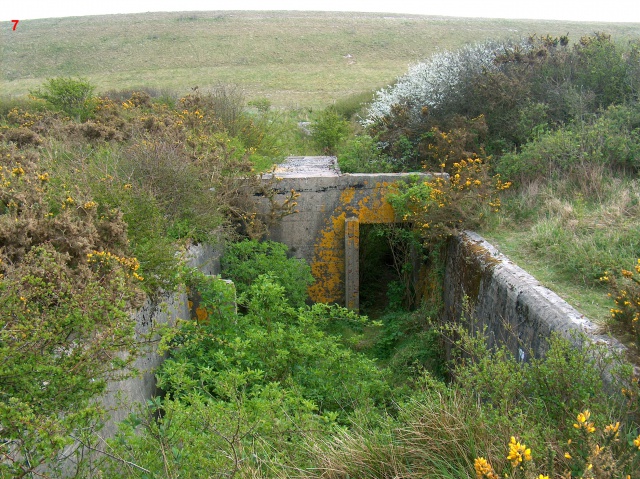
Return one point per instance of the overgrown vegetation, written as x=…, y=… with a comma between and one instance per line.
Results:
x=545, y=114
x=94, y=207
x=98, y=193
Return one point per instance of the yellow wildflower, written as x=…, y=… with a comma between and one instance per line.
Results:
x=583, y=422
x=636, y=441
x=518, y=452
x=484, y=469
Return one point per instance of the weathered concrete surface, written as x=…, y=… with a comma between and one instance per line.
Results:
x=308, y=166
x=121, y=396
x=516, y=309
x=327, y=198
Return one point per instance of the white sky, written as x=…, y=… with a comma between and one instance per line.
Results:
x=578, y=10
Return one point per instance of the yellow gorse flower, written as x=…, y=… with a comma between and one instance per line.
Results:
x=612, y=428
x=484, y=469
x=636, y=441
x=583, y=422
x=518, y=452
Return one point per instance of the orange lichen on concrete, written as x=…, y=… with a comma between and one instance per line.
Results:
x=201, y=314
x=375, y=208
x=328, y=265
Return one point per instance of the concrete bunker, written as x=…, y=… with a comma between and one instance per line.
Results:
x=325, y=230
x=332, y=207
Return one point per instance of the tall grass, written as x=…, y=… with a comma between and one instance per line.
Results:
x=569, y=231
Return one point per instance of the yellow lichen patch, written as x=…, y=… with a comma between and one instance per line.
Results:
x=201, y=314
x=328, y=263
x=347, y=195
x=376, y=210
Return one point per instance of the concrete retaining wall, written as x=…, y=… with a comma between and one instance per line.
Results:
x=317, y=232
x=516, y=309
x=121, y=396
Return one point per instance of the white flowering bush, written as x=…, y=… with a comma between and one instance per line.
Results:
x=437, y=81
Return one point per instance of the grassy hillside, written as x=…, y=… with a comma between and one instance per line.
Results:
x=292, y=58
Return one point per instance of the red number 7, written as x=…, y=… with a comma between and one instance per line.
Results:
x=15, y=24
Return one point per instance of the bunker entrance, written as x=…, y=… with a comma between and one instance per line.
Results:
x=389, y=257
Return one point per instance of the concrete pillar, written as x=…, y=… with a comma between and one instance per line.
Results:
x=352, y=263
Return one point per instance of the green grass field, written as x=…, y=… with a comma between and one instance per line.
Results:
x=294, y=59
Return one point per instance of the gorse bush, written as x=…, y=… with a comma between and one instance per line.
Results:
x=625, y=291
x=441, y=206
x=96, y=197
x=520, y=88
x=66, y=284
x=174, y=174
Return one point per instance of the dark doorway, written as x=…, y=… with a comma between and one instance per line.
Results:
x=390, y=255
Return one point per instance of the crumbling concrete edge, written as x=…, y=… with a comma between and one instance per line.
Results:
x=164, y=309
x=515, y=308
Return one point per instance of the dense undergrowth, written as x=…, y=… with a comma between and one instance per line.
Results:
x=275, y=391
x=97, y=197
x=98, y=193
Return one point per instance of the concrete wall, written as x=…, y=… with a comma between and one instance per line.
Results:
x=317, y=232
x=516, y=309
x=164, y=309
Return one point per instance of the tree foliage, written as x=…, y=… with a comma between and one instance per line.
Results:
x=245, y=261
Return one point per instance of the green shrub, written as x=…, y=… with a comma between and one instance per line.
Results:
x=612, y=140
x=72, y=96
x=328, y=130
x=350, y=106
x=361, y=155
x=244, y=261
